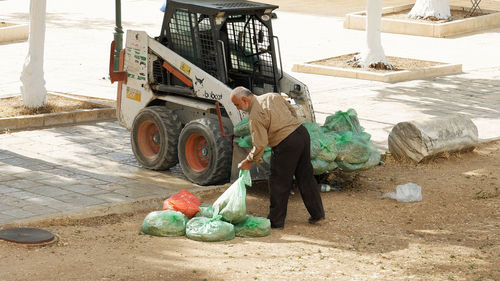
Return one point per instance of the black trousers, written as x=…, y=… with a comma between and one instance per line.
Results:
x=292, y=156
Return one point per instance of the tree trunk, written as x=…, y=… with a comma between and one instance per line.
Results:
x=373, y=56
x=33, y=83
x=433, y=9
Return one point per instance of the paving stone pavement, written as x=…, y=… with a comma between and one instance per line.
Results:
x=71, y=169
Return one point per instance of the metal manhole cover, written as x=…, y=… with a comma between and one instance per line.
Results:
x=26, y=235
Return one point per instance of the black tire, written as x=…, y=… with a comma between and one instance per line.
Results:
x=204, y=154
x=154, y=137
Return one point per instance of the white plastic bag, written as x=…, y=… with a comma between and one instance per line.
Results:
x=231, y=205
x=409, y=192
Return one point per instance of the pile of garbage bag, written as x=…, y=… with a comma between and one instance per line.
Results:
x=221, y=221
x=340, y=143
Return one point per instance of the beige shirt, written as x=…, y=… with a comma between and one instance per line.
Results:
x=271, y=120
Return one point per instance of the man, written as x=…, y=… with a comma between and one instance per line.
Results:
x=273, y=121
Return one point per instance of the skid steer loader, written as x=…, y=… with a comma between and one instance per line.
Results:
x=174, y=89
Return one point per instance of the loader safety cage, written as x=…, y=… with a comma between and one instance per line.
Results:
x=231, y=40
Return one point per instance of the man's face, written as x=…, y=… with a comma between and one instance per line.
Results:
x=241, y=103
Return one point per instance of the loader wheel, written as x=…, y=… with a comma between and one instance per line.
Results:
x=155, y=134
x=204, y=154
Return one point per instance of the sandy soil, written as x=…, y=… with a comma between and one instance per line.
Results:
x=452, y=234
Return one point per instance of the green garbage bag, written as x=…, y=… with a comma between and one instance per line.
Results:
x=328, y=151
x=316, y=135
x=244, y=141
x=315, y=148
x=327, y=155
x=267, y=155
x=165, y=223
x=344, y=121
x=365, y=136
x=332, y=166
x=242, y=128
x=209, y=229
x=231, y=204
x=352, y=149
x=348, y=167
x=373, y=160
x=314, y=130
x=319, y=166
x=205, y=211
x=253, y=227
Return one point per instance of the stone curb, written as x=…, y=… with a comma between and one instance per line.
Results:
x=56, y=119
x=151, y=203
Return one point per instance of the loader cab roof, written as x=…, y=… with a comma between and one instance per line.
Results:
x=213, y=7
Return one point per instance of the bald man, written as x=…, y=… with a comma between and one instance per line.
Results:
x=273, y=121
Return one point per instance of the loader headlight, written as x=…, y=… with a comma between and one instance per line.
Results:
x=265, y=17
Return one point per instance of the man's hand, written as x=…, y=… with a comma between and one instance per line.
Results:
x=245, y=165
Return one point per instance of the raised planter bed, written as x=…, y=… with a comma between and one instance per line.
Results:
x=489, y=19
x=98, y=111
x=420, y=69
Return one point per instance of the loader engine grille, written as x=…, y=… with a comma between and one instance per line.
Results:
x=186, y=28
x=250, y=45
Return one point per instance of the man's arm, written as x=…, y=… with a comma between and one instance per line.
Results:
x=259, y=141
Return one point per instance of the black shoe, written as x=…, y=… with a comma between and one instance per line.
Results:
x=312, y=220
x=277, y=226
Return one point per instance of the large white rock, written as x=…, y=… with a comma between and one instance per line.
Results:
x=420, y=140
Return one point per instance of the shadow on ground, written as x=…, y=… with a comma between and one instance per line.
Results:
x=439, y=97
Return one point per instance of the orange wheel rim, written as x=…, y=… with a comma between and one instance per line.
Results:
x=197, y=152
x=148, y=139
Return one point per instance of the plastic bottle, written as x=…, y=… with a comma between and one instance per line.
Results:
x=323, y=187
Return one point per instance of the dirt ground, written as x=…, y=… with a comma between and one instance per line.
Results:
x=452, y=234
x=13, y=106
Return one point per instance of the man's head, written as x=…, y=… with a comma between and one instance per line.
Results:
x=241, y=98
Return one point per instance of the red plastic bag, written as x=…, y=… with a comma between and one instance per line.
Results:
x=184, y=202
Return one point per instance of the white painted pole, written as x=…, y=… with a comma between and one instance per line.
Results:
x=374, y=53
x=33, y=83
